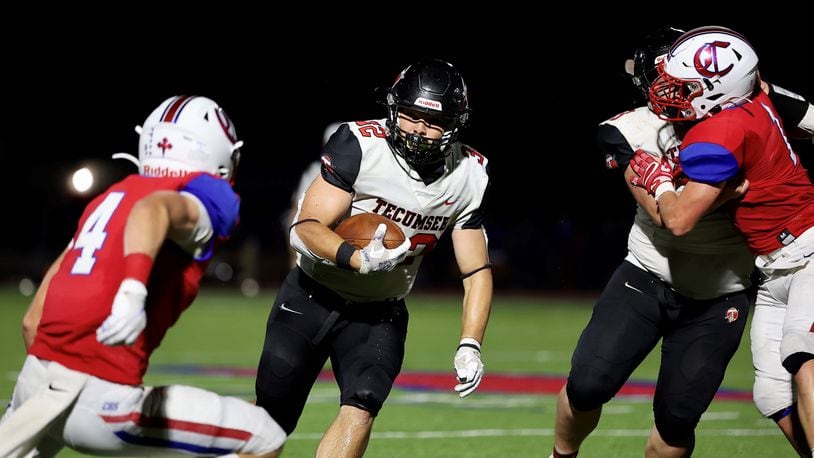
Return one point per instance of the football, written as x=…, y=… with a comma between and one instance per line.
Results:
x=359, y=229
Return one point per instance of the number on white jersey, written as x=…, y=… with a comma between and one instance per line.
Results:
x=467, y=151
x=93, y=235
x=368, y=128
x=420, y=244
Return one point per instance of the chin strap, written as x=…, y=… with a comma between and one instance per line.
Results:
x=128, y=157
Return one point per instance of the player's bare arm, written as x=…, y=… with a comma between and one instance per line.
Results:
x=323, y=206
x=32, y=316
x=473, y=260
x=681, y=212
x=471, y=255
x=161, y=215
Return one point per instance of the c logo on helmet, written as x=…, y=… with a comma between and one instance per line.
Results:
x=706, y=60
x=226, y=125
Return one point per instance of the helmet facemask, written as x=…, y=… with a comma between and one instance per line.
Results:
x=671, y=98
x=431, y=92
x=418, y=150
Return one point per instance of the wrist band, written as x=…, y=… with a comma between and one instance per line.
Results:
x=138, y=266
x=343, y=254
x=662, y=188
x=470, y=343
x=488, y=265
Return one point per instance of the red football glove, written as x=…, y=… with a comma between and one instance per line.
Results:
x=653, y=174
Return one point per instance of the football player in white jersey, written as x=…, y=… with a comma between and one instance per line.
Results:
x=347, y=304
x=692, y=292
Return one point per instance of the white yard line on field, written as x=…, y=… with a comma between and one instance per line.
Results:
x=543, y=432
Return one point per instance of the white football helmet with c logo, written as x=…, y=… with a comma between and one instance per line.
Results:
x=188, y=134
x=706, y=70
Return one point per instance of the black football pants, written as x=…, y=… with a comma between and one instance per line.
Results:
x=309, y=324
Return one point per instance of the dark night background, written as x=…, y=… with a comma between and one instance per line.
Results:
x=557, y=219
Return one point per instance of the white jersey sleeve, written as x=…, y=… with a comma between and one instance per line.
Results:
x=620, y=136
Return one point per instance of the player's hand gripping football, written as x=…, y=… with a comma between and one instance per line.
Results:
x=652, y=173
x=468, y=366
x=376, y=258
x=127, y=317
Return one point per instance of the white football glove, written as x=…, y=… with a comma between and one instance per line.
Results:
x=376, y=258
x=468, y=366
x=127, y=317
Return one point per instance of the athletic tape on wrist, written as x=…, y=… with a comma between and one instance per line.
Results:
x=662, y=188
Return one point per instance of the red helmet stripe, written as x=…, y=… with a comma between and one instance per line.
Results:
x=225, y=124
x=175, y=108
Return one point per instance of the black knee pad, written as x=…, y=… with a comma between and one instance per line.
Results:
x=369, y=390
x=794, y=362
x=587, y=392
x=675, y=431
x=366, y=399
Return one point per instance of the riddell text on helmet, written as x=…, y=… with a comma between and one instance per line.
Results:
x=164, y=172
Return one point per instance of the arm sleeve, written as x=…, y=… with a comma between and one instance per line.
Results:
x=614, y=146
x=222, y=204
x=793, y=109
x=341, y=159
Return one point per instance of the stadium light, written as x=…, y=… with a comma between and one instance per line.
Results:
x=27, y=287
x=249, y=287
x=82, y=180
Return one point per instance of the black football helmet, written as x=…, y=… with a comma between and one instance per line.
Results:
x=654, y=46
x=433, y=87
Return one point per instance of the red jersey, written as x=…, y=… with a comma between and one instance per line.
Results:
x=748, y=140
x=80, y=295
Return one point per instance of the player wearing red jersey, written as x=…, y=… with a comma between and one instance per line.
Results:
x=133, y=266
x=687, y=296
x=710, y=76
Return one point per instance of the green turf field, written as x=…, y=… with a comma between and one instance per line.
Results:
x=526, y=335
